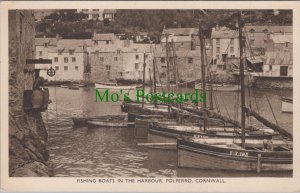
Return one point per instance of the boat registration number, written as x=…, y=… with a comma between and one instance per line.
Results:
x=239, y=153
x=200, y=136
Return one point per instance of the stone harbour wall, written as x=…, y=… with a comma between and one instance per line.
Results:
x=27, y=133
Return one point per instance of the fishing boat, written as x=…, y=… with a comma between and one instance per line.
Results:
x=116, y=86
x=286, y=105
x=107, y=123
x=165, y=85
x=223, y=154
x=100, y=120
x=159, y=133
x=238, y=153
x=220, y=87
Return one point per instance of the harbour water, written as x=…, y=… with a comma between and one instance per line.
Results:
x=113, y=152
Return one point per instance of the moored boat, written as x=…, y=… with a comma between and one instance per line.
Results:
x=159, y=133
x=286, y=105
x=267, y=155
x=220, y=87
x=116, y=86
x=100, y=120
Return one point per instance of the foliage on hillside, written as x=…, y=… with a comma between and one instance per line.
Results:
x=69, y=24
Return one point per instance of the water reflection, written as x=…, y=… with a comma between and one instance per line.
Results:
x=112, y=152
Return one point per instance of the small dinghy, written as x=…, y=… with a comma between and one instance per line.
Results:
x=101, y=121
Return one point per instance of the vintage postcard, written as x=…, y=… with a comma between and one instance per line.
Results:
x=156, y=96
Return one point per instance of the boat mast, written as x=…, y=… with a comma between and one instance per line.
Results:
x=203, y=75
x=144, y=69
x=241, y=44
x=154, y=81
x=168, y=69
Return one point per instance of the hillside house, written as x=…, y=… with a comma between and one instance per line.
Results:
x=69, y=59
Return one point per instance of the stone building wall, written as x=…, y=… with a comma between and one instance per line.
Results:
x=99, y=71
x=27, y=133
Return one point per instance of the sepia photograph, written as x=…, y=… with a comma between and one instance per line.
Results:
x=157, y=96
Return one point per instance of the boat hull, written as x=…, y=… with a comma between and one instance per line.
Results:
x=221, y=88
x=203, y=156
x=117, y=87
x=287, y=105
x=161, y=134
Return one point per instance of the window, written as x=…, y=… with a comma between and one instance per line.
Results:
x=55, y=59
x=232, y=56
x=101, y=59
x=270, y=67
x=115, y=59
x=95, y=9
x=76, y=68
x=107, y=68
x=164, y=66
x=283, y=70
x=46, y=45
x=224, y=57
x=65, y=59
x=121, y=73
x=65, y=68
x=73, y=59
x=56, y=68
x=218, y=41
x=231, y=49
x=218, y=57
x=231, y=41
x=181, y=44
x=162, y=60
x=71, y=52
x=40, y=53
x=136, y=66
x=190, y=60
x=286, y=44
x=252, y=42
x=137, y=57
x=118, y=51
x=252, y=34
x=107, y=41
x=146, y=56
x=60, y=52
x=218, y=49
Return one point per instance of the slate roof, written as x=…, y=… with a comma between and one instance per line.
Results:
x=223, y=33
x=280, y=39
x=70, y=44
x=279, y=58
x=49, y=41
x=273, y=29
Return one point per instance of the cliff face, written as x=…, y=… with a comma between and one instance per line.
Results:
x=27, y=133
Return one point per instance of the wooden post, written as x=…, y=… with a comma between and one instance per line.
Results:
x=241, y=43
x=203, y=75
x=144, y=69
x=258, y=163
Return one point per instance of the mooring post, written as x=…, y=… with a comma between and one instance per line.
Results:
x=258, y=163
